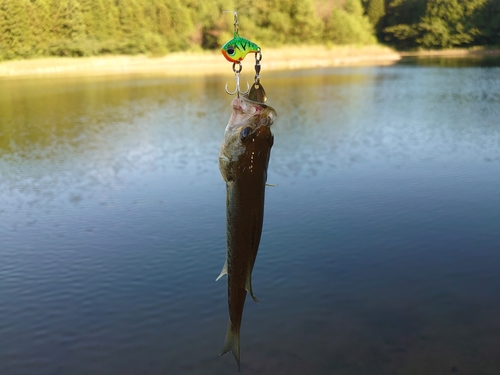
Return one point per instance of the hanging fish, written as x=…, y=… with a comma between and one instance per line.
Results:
x=237, y=48
x=243, y=160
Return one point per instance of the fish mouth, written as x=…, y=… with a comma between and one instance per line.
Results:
x=248, y=107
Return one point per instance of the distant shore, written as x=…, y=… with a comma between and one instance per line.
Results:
x=199, y=63
x=212, y=62
x=454, y=52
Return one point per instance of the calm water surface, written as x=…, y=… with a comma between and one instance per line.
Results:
x=380, y=251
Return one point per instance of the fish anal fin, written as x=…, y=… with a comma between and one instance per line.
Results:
x=223, y=272
x=248, y=288
x=232, y=343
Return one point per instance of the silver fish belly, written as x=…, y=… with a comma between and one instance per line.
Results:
x=243, y=160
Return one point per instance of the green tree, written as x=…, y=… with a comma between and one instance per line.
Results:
x=70, y=24
x=348, y=25
x=375, y=11
x=307, y=27
x=487, y=20
x=16, y=38
x=68, y=30
x=448, y=23
x=354, y=7
x=101, y=18
x=402, y=23
x=164, y=20
x=131, y=18
x=39, y=14
x=277, y=22
x=441, y=23
x=209, y=21
x=182, y=26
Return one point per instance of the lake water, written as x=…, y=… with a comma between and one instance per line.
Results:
x=380, y=252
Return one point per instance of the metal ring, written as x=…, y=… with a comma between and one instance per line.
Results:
x=257, y=59
x=234, y=67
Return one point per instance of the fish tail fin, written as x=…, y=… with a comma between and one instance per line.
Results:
x=248, y=288
x=223, y=272
x=232, y=343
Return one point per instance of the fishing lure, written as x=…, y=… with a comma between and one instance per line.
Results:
x=235, y=51
x=237, y=48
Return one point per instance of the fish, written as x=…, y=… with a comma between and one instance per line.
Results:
x=243, y=161
x=237, y=48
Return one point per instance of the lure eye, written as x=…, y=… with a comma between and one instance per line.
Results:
x=245, y=134
x=230, y=50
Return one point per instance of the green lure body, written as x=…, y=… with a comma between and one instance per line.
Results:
x=237, y=48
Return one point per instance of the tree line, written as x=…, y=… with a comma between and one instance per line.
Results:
x=33, y=28
x=434, y=24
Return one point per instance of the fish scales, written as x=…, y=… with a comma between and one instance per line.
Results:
x=243, y=161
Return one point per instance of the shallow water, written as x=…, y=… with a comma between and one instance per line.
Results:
x=380, y=251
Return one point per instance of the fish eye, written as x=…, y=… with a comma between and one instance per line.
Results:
x=230, y=50
x=245, y=133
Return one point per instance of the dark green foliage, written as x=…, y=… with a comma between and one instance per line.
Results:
x=375, y=10
x=437, y=24
x=402, y=23
x=487, y=19
x=31, y=28
x=449, y=23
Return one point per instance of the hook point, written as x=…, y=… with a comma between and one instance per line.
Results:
x=237, y=90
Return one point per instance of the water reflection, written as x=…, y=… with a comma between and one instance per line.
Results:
x=83, y=133
x=336, y=114
x=52, y=113
x=380, y=243
x=471, y=61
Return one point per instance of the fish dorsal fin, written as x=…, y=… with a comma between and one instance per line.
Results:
x=223, y=272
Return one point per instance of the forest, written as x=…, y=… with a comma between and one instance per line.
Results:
x=36, y=28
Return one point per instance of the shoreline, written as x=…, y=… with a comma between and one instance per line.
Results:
x=198, y=63
x=453, y=52
x=212, y=62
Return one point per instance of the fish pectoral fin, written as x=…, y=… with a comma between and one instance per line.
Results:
x=232, y=343
x=223, y=272
x=272, y=185
x=248, y=288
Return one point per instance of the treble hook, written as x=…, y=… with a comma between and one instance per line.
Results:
x=237, y=75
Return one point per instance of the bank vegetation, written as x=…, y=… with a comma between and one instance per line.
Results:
x=44, y=28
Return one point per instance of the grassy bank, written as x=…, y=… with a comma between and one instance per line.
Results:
x=200, y=63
